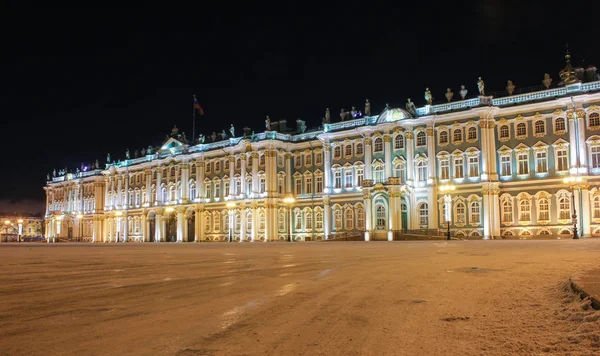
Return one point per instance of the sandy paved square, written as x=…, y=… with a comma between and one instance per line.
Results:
x=322, y=298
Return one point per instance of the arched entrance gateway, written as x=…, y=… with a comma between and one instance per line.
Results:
x=151, y=226
x=190, y=216
x=171, y=227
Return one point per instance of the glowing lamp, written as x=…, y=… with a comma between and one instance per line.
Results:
x=231, y=205
x=20, y=221
x=118, y=213
x=79, y=216
x=6, y=222
x=169, y=210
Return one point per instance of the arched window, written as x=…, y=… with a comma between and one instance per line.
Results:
x=308, y=219
x=460, y=213
x=504, y=131
x=521, y=129
x=216, y=221
x=524, y=210
x=421, y=139
x=564, y=208
x=443, y=137
x=349, y=219
x=422, y=171
x=378, y=145
x=226, y=164
x=207, y=222
x=423, y=215
x=298, y=220
x=596, y=207
x=192, y=191
x=594, y=119
x=348, y=150
x=474, y=216
x=337, y=219
x=540, y=127
x=400, y=171
x=319, y=220
x=360, y=218
x=261, y=221
x=457, y=135
x=543, y=209
x=171, y=193
x=399, y=142
x=262, y=160
x=559, y=124
x=248, y=220
x=238, y=163
x=359, y=149
x=337, y=152
x=381, y=217
x=472, y=133
x=164, y=194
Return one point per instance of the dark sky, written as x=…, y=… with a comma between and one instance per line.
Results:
x=77, y=84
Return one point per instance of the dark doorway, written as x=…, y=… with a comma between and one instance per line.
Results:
x=191, y=227
x=171, y=229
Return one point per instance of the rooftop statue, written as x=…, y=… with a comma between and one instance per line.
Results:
x=47, y=176
x=428, y=97
x=268, y=123
x=108, y=158
x=213, y=136
x=449, y=94
x=463, y=92
x=54, y=172
x=143, y=151
x=547, y=81
x=136, y=153
x=327, y=116
x=353, y=112
x=201, y=138
x=149, y=151
x=367, y=108
x=510, y=87
x=387, y=106
x=410, y=107
x=343, y=114
x=232, y=131
x=97, y=163
x=223, y=134
x=481, y=86
x=127, y=154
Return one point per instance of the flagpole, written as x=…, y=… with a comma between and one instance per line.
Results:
x=194, y=121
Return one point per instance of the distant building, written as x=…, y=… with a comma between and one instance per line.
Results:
x=20, y=227
x=518, y=163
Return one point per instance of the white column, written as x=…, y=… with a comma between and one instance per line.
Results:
x=491, y=148
x=495, y=208
x=243, y=174
x=368, y=214
x=200, y=193
x=255, y=181
x=433, y=222
x=120, y=201
x=125, y=228
x=387, y=149
x=326, y=167
x=583, y=166
x=126, y=200
x=368, y=158
x=431, y=158
x=158, y=197
x=144, y=227
x=288, y=173
x=254, y=230
x=586, y=212
x=410, y=156
x=199, y=224
x=243, y=221
x=487, y=216
x=81, y=197
x=185, y=182
x=326, y=217
x=573, y=144
x=180, y=218
x=158, y=228
x=231, y=175
x=148, y=186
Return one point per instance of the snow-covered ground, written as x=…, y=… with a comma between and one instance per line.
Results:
x=341, y=298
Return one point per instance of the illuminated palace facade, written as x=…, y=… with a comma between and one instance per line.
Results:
x=513, y=166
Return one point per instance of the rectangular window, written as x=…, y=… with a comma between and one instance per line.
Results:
x=308, y=159
x=359, y=177
x=473, y=167
x=505, y=166
x=541, y=162
x=217, y=190
x=226, y=188
x=523, y=164
x=561, y=160
x=595, y=152
x=318, y=158
x=337, y=180
x=348, y=178
x=298, y=186
x=458, y=168
x=297, y=161
x=444, y=169
x=207, y=167
x=309, y=185
x=319, y=181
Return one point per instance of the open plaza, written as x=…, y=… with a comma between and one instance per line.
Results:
x=472, y=297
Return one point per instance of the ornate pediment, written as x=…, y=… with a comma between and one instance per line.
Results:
x=171, y=143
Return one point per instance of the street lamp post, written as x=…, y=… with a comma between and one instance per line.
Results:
x=574, y=183
x=447, y=205
x=20, y=221
x=288, y=202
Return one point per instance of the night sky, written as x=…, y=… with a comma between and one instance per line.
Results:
x=78, y=84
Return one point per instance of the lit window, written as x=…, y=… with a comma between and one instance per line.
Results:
x=523, y=163
x=349, y=219
x=458, y=168
x=399, y=142
x=337, y=152
x=421, y=139
x=564, y=208
x=444, y=169
x=309, y=184
x=504, y=133
x=472, y=133
x=594, y=119
x=559, y=124
x=460, y=213
x=378, y=174
x=337, y=219
x=561, y=160
x=381, y=217
x=525, y=210
x=474, y=217
x=359, y=149
x=423, y=215
x=348, y=178
x=505, y=166
x=541, y=162
x=473, y=167
x=521, y=129
x=540, y=127
x=457, y=135
x=348, y=150
x=378, y=147
x=595, y=156
x=543, y=209
x=443, y=137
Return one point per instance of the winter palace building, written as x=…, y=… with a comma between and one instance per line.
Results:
x=490, y=166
